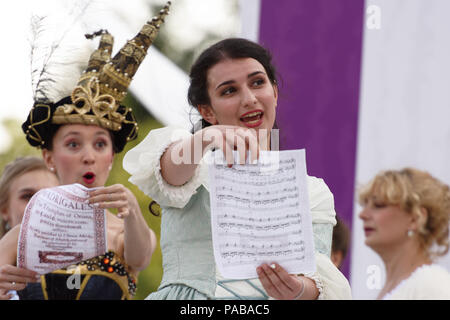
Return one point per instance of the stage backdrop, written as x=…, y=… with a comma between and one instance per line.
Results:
x=365, y=87
x=404, y=108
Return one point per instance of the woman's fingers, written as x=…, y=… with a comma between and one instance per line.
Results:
x=267, y=283
x=285, y=278
x=13, y=273
x=228, y=147
x=243, y=140
x=113, y=197
x=4, y=295
x=17, y=286
x=13, y=278
x=253, y=147
x=252, y=144
x=278, y=282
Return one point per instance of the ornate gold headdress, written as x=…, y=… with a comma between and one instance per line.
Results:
x=96, y=98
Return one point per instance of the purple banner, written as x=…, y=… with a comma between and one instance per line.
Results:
x=317, y=48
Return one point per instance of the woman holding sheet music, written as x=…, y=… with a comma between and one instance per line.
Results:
x=79, y=123
x=234, y=88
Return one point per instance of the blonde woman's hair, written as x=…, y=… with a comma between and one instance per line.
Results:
x=413, y=191
x=13, y=170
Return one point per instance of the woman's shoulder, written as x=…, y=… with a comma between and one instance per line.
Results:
x=8, y=246
x=12, y=235
x=431, y=282
x=317, y=185
x=432, y=273
x=426, y=282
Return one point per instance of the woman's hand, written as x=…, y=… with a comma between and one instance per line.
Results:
x=284, y=286
x=115, y=197
x=181, y=158
x=138, y=240
x=14, y=278
x=229, y=138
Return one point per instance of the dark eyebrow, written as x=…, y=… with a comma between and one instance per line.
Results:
x=26, y=190
x=98, y=133
x=254, y=73
x=225, y=83
x=70, y=133
x=232, y=81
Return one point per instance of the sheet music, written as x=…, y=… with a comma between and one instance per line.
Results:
x=260, y=214
x=60, y=229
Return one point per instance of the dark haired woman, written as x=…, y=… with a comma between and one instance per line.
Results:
x=233, y=86
x=79, y=134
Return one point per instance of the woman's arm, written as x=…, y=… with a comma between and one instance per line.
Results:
x=180, y=181
x=139, y=241
x=11, y=277
x=181, y=158
x=174, y=172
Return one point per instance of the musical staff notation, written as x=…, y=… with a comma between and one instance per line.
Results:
x=256, y=216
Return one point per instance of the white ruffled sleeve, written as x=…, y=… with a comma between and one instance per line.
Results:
x=143, y=163
x=330, y=282
x=321, y=201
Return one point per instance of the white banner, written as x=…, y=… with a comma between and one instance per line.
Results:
x=404, y=116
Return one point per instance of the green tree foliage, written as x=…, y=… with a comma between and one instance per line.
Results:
x=18, y=144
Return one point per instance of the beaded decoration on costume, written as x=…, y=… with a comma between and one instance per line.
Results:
x=110, y=263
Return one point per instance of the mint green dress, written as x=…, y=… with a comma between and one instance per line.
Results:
x=189, y=270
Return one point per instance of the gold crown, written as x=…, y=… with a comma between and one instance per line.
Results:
x=103, y=85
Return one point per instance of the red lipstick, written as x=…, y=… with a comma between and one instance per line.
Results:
x=252, y=118
x=89, y=178
x=367, y=230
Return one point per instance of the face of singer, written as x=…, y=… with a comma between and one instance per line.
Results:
x=385, y=227
x=240, y=94
x=22, y=189
x=81, y=154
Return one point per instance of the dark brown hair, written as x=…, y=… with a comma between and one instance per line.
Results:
x=232, y=48
x=341, y=237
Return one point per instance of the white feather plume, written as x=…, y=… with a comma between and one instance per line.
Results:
x=59, y=51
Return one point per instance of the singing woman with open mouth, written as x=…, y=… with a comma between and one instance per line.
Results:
x=79, y=131
x=234, y=87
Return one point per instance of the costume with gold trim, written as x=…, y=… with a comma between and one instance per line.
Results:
x=104, y=277
x=92, y=97
x=96, y=97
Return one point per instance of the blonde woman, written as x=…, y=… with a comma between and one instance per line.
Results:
x=406, y=222
x=20, y=180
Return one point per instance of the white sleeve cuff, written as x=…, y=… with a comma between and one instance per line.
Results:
x=143, y=163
